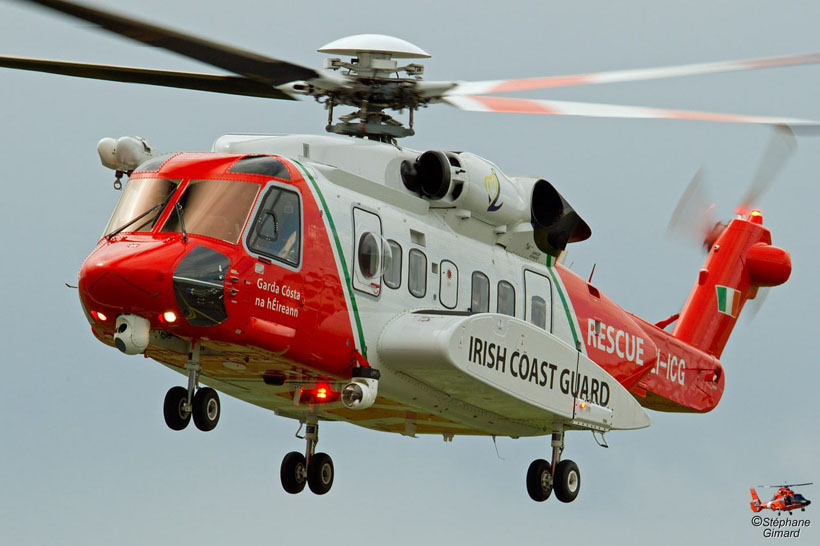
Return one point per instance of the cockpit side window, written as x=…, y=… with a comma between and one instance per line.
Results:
x=277, y=229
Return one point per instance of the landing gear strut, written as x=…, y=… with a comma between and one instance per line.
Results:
x=561, y=476
x=315, y=469
x=200, y=403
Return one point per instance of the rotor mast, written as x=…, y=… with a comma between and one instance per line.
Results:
x=377, y=85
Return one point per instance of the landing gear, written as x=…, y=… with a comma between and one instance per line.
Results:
x=539, y=480
x=206, y=409
x=181, y=403
x=313, y=469
x=562, y=476
x=320, y=473
x=567, y=481
x=293, y=472
x=175, y=408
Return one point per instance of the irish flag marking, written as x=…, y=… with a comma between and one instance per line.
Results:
x=728, y=300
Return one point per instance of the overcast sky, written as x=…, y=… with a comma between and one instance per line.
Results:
x=86, y=457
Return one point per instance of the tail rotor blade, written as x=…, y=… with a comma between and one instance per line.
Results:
x=777, y=154
x=757, y=303
x=693, y=217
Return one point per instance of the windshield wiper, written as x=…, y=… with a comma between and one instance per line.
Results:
x=140, y=217
x=178, y=208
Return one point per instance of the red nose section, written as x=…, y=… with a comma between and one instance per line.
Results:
x=130, y=276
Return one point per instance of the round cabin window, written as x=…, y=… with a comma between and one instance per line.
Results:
x=374, y=255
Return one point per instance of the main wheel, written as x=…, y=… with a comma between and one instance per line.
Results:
x=206, y=409
x=539, y=480
x=173, y=409
x=293, y=472
x=320, y=473
x=567, y=481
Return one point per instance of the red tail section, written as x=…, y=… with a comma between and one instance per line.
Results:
x=740, y=261
x=755, y=504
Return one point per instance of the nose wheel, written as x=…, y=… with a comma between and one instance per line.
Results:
x=182, y=404
x=563, y=477
x=312, y=469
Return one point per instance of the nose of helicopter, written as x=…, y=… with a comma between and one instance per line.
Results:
x=130, y=276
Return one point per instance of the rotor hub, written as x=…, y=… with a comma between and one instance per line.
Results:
x=376, y=85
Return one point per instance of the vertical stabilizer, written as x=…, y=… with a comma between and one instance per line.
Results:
x=741, y=260
x=755, y=504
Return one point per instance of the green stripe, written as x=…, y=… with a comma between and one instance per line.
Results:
x=341, y=257
x=721, y=294
x=557, y=283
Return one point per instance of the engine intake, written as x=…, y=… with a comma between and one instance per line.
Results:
x=430, y=175
x=466, y=181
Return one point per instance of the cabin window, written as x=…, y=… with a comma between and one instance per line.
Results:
x=480, y=301
x=538, y=315
x=417, y=272
x=392, y=271
x=506, y=299
x=276, y=230
x=213, y=208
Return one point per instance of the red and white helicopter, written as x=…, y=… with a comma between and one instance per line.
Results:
x=350, y=278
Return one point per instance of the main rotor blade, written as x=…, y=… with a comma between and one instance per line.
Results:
x=251, y=65
x=231, y=85
x=475, y=103
x=780, y=149
x=615, y=76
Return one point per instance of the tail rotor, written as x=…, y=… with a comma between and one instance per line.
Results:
x=694, y=216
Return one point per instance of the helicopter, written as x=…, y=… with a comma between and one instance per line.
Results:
x=338, y=278
x=784, y=500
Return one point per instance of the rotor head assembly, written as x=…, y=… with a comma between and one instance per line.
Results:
x=373, y=81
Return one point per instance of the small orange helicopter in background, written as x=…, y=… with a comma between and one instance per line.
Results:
x=785, y=500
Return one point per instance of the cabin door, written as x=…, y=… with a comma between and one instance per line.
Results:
x=369, y=248
x=538, y=300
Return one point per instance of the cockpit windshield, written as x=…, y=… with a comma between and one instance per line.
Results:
x=213, y=208
x=140, y=196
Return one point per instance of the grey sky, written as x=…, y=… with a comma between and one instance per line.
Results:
x=86, y=457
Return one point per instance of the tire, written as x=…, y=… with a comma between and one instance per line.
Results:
x=293, y=472
x=172, y=409
x=567, y=481
x=206, y=409
x=539, y=480
x=320, y=473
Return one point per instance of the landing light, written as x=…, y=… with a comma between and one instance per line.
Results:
x=99, y=316
x=169, y=316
